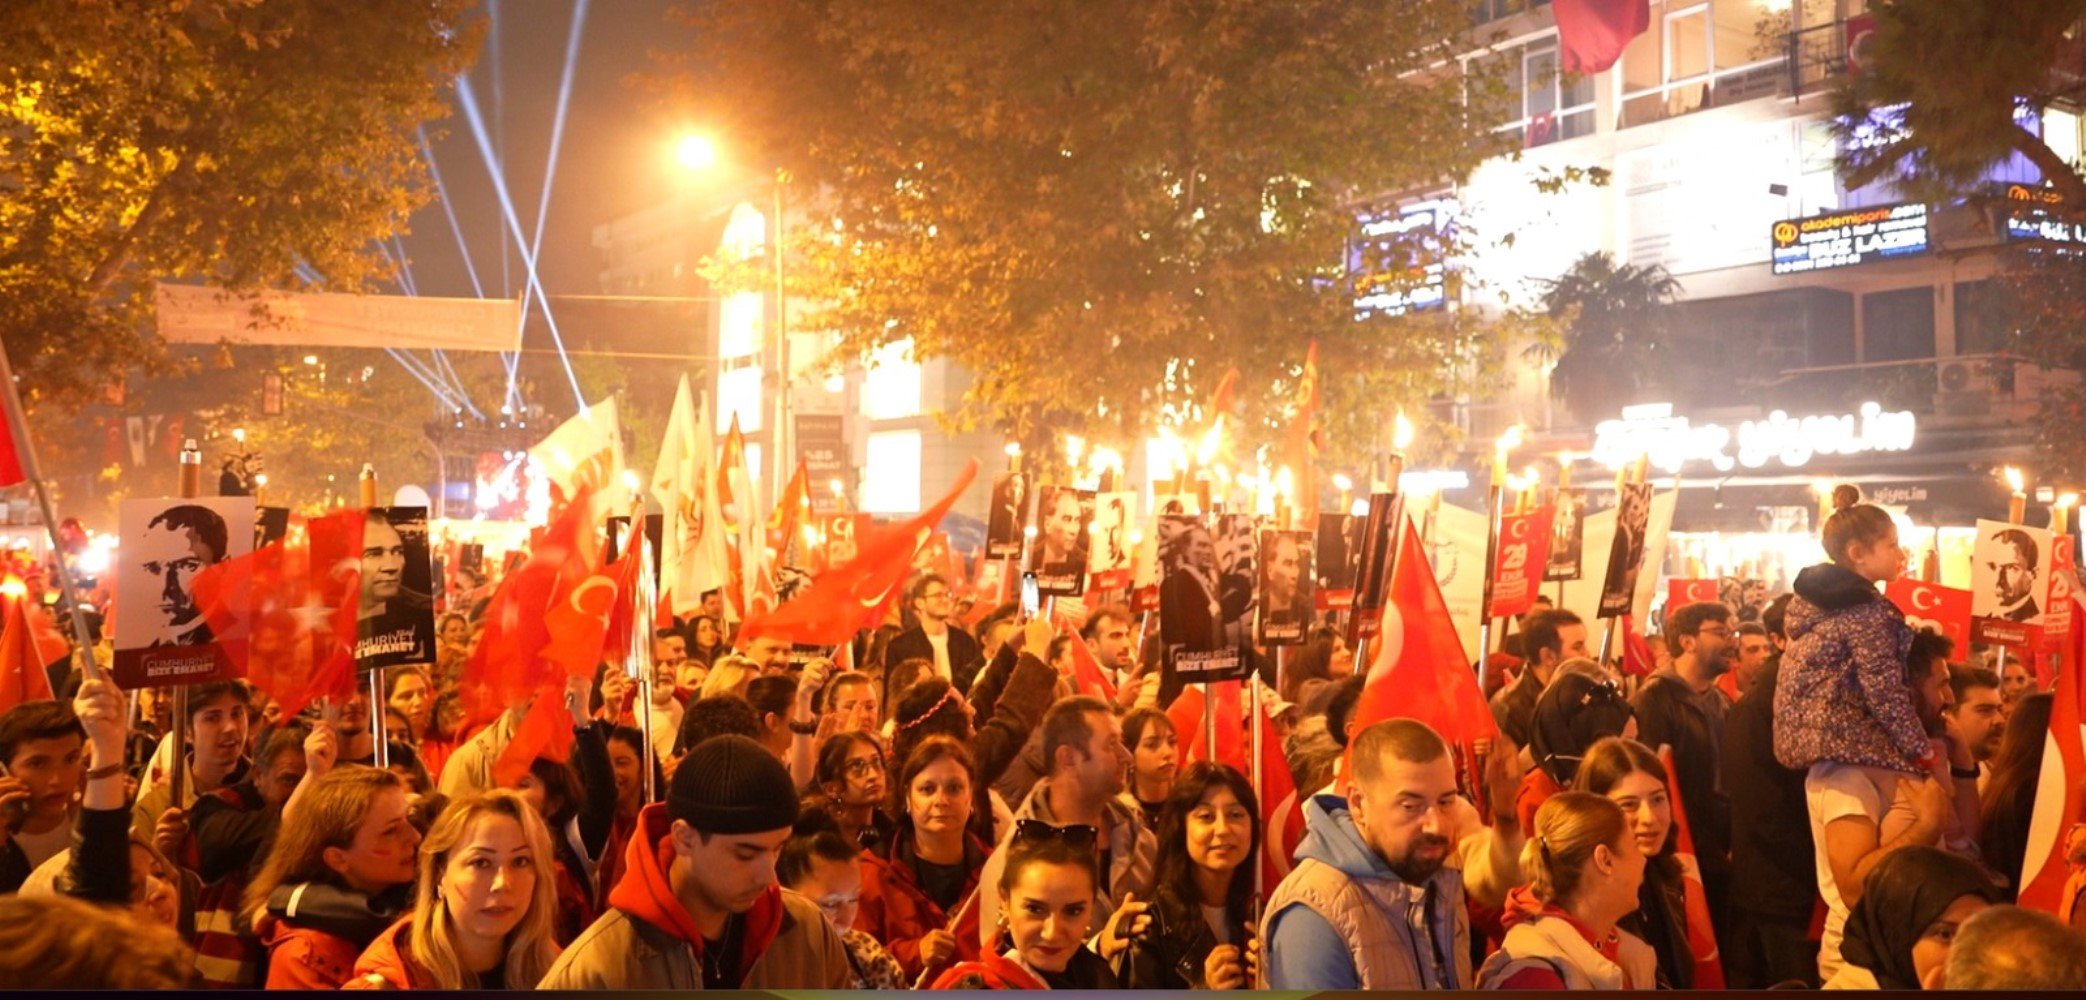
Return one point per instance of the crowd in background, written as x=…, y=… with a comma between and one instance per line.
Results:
x=1841, y=801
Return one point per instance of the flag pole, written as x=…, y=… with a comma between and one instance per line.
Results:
x=380, y=737
x=191, y=486
x=18, y=427
x=1497, y=509
x=637, y=662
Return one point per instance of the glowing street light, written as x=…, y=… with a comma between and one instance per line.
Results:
x=696, y=152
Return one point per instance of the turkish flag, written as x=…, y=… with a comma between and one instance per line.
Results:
x=1682, y=592
x=1523, y=553
x=1421, y=670
x=1226, y=720
x=23, y=657
x=1593, y=33
x=1087, y=675
x=285, y=612
x=1281, y=808
x=1944, y=609
x=2049, y=880
x=852, y=597
x=1702, y=936
x=554, y=585
x=1638, y=660
x=11, y=451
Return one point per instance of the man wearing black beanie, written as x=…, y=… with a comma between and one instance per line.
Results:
x=698, y=906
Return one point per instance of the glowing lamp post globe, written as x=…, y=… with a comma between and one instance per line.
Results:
x=698, y=154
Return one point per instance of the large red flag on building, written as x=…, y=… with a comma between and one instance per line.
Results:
x=1420, y=670
x=1702, y=936
x=854, y=596
x=1593, y=33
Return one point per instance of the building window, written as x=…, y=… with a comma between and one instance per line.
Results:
x=891, y=383
x=1981, y=326
x=1543, y=104
x=1488, y=11
x=895, y=488
x=1698, y=55
x=739, y=395
x=1898, y=326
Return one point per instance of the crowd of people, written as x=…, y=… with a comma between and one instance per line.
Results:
x=1809, y=794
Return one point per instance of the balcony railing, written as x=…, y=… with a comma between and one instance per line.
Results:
x=1814, y=58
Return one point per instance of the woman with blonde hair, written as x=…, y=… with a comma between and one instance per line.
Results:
x=1583, y=869
x=483, y=906
x=730, y=675
x=340, y=872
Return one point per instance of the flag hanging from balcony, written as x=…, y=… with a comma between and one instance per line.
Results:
x=1593, y=33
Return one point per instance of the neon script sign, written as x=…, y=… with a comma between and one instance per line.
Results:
x=1672, y=442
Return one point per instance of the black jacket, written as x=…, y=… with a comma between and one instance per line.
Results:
x=1770, y=821
x=964, y=657
x=1667, y=714
x=1170, y=954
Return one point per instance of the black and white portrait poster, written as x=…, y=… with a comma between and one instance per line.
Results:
x=1111, y=552
x=1373, y=567
x=1177, y=504
x=1286, y=604
x=1567, y=536
x=162, y=639
x=1006, y=521
x=1626, y=554
x=1195, y=620
x=395, y=623
x=1059, y=556
x=2009, y=583
x=1336, y=560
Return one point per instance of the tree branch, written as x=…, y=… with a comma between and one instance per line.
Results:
x=119, y=254
x=2054, y=169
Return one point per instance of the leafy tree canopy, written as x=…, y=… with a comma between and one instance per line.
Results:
x=1099, y=209
x=224, y=140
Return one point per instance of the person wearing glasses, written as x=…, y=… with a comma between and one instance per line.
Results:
x=848, y=785
x=936, y=639
x=1083, y=742
x=1045, y=895
x=1681, y=707
x=918, y=893
x=1201, y=936
x=819, y=863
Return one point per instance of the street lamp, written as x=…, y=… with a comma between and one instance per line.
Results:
x=698, y=153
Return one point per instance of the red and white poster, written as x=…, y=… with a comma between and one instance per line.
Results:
x=1931, y=605
x=1524, y=553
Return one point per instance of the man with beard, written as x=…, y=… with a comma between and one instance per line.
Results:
x=1978, y=713
x=1371, y=903
x=1681, y=707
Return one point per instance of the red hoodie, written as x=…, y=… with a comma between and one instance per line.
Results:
x=645, y=893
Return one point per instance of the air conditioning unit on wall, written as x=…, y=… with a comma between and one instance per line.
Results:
x=1966, y=388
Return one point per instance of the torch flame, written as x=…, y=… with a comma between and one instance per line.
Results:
x=1822, y=487
x=2067, y=501
x=1401, y=433
x=1206, y=451
x=1341, y=482
x=1510, y=440
x=1285, y=482
x=2014, y=480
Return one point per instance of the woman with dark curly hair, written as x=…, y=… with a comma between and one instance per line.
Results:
x=1201, y=936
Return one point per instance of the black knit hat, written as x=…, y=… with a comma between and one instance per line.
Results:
x=732, y=785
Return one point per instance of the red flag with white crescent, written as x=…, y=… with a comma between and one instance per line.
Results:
x=1944, y=609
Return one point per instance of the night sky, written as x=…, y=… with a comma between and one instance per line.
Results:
x=615, y=157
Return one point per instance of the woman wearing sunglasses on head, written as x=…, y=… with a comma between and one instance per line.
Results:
x=1201, y=936
x=917, y=890
x=1047, y=910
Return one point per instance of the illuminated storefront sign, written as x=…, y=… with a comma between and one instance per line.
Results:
x=1843, y=239
x=2028, y=216
x=1397, y=264
x=1672, y=442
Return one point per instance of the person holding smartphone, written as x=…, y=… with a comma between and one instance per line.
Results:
x=43, y=749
